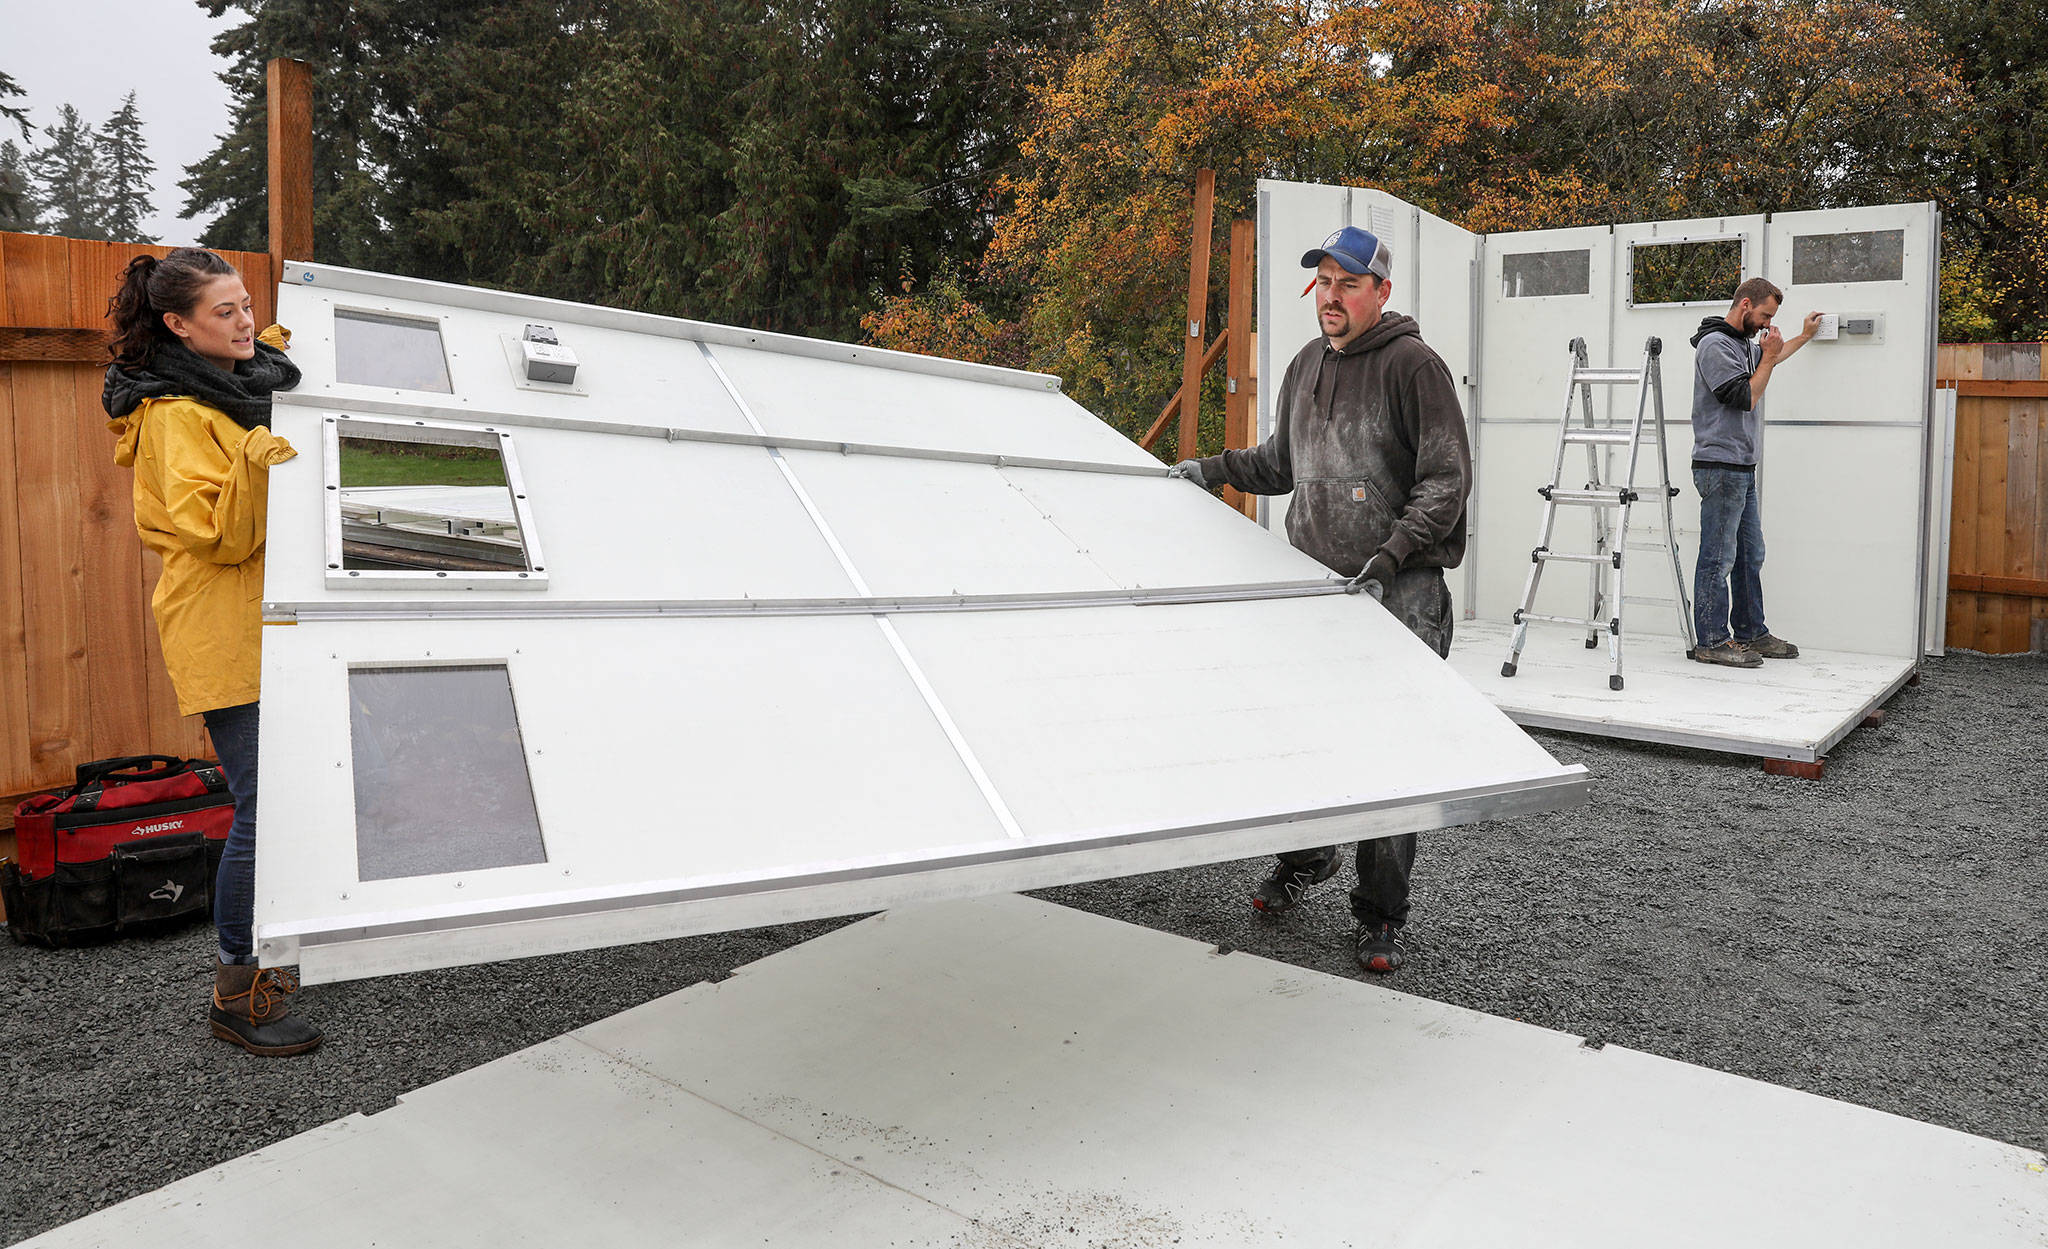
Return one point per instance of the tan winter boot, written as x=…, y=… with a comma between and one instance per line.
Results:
x=252, y=1007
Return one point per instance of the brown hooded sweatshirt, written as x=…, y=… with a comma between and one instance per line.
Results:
x=1372, y=442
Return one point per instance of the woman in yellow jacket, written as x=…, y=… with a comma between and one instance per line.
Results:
x=189, y=397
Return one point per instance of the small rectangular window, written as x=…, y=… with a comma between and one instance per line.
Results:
x=416, y=504
x=396, y=353
x=1526, y=275
x=1866, y=256
x=1684, y=271
x=440, y=772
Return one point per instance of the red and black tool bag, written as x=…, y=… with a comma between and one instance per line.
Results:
x=133, y=844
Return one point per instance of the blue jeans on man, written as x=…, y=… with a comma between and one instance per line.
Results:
x=1728, y=590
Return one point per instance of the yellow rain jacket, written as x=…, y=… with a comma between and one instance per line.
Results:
x=202, y=487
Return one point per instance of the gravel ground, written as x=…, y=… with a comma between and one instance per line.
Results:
x=1877, y=936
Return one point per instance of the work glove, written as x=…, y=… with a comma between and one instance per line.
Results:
x=1189, y=470
x=1375, y=577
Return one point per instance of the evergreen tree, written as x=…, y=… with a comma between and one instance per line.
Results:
x=14, y=113
x=125, y=168
x=67, y=179
x=17, y=210
x=775, y=165
x=374, y=158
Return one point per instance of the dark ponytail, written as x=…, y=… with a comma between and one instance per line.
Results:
x=151, y=287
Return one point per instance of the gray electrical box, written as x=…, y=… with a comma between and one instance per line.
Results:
x=545, y=358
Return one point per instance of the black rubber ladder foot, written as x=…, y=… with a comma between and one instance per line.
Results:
x=1592, y=643
x=1508, y=669
x=1613, y=682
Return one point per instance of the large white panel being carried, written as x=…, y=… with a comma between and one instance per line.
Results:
x=912, y=629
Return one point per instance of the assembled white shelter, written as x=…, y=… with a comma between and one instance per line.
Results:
x=745, y=628
x=1853, y=473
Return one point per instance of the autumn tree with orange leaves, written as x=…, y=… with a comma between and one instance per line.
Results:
x=1499, y=115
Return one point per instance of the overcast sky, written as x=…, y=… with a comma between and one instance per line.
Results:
x=92, y=53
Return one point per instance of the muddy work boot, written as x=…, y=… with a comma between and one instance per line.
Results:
x=1769, y=646
x=1288, y=885
x=252, y=1007
x=1729, y=655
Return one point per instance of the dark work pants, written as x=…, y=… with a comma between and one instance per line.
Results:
x=1420, y=599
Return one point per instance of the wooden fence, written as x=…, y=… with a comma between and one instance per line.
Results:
x=81, y=673
x=1998, y=524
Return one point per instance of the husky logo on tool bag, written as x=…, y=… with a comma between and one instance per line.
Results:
x=146, y=829
x=169, y=891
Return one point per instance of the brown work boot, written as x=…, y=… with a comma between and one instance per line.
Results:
x=1729, y=654
x=252, y=1007
x=1769, y=646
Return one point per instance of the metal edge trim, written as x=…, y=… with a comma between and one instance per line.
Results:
x=314, y=612
x=1568, y=786
x=326, y=278
x=373, y=409
x=1921, y=578
x=1753, y=747
x=1871, y=704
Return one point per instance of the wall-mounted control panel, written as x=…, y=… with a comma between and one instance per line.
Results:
x=1850, y=327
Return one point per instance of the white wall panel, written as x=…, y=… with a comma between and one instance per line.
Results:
x=1842, y=532
x=662, y=752
x=1146, y=717
x=620, y=518
x=1525, y=359
x=933, y=527
x=845, y=401
x=1160, y=533
x=624, y=378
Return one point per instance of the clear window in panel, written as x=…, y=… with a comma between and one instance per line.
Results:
x=1705, y=271
x=397, y=353
x=427, y=499
x=1865, y=256
x=440, y=772
x=1527, y=275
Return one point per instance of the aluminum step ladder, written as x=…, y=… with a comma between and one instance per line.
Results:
x=1612, y=499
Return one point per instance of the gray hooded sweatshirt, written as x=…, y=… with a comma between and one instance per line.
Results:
x=1372, y=442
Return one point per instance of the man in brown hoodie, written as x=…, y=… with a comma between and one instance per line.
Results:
x=1369, y=436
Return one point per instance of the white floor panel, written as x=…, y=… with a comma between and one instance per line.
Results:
x=1787, y=709
x=1004, y=1072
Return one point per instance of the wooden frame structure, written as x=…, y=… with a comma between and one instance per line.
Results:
x=1233, y=343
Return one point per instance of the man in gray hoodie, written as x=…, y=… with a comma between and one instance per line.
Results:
x=1729, y=376
x=1369, y=436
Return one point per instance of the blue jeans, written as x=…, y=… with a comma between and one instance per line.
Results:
x=1728, y=587
x=233, y=730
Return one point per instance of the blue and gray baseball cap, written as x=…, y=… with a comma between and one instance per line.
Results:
x=1358, y=251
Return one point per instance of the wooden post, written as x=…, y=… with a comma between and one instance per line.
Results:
x=1237, y=366
x=290, y=96
x=1198, y=311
